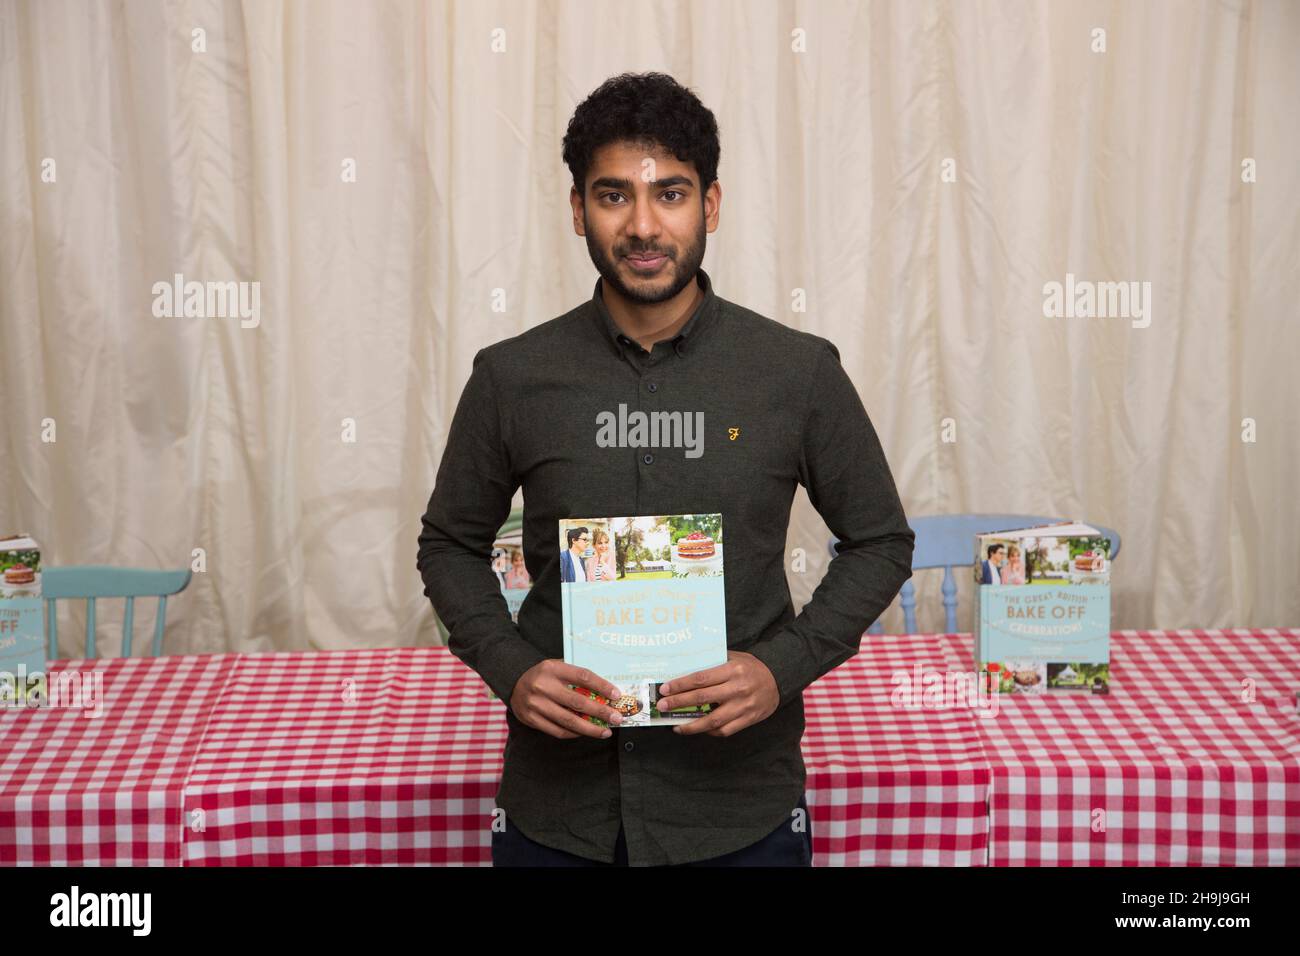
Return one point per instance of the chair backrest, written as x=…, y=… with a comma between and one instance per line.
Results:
x=948, y=541
x=98, y=581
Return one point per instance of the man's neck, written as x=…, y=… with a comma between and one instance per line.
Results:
x=648, y=323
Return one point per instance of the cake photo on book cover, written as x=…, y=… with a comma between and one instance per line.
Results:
x=643, y=602
x=696, y=553
x=1042, y=609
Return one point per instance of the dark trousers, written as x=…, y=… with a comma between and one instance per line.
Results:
x=782, y=847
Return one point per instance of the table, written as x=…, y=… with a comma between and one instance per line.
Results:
x=1192, y=759
x=405, y=770
x=387, y=756
x=889, y=785
x=392, y=756
x=107, y=790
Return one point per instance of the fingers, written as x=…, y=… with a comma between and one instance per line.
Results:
x=706, y=678
x=571, y=699
x=568, y=673
x=730, y=717
x=563, y=717
x=712, y=694
x=541, y=709
x=735, y=727
x=548, y=703
x=538, y=722
x=544, y=701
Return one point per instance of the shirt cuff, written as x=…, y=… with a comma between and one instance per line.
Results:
x=507, y=661
x=785, y=655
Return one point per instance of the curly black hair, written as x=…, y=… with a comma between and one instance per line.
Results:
x=651, y=109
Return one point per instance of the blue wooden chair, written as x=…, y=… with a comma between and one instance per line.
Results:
x=91, y=582
x=948, y=541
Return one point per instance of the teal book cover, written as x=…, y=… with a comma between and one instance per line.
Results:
x=1042, y=609
x=22, y=623
x=643, y=602
x=511, y=573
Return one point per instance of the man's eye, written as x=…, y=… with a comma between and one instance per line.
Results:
x=672, y=192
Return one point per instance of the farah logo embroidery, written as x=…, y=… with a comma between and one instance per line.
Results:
x=733, y=434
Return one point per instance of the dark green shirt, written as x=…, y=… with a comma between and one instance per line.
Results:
x=528, y=416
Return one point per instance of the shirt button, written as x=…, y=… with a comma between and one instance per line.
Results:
x=653, y=387
x=649, y=459
x=628, y=746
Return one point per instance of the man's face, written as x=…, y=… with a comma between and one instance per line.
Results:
x=580, y=543
x=644, y=220
x=1000, y=558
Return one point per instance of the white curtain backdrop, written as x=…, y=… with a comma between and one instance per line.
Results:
x=918, y=169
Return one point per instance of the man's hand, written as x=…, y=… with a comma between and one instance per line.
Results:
x=543, y=699
x=743, y=688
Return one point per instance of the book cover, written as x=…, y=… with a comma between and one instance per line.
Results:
x=22, y=623
x=512, y=576
x=1042, y=609
x=643, y=602
x=508, y=566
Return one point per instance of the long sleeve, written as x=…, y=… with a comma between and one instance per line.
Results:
x=471, y=499
x=849, y=483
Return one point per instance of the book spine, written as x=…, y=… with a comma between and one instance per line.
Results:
x=977, y=619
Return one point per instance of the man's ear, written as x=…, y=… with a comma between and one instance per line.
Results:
x=576, y=202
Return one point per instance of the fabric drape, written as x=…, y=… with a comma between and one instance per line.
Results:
x=901, y=178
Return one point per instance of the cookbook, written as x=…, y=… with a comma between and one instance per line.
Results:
x=642, y=603
x=510, y=570
x=22, y=623
x=512, y=577
x=1042, y=609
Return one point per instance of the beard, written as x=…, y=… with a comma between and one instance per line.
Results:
x=685, y=263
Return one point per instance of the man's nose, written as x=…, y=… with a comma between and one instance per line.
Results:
x=644, y=222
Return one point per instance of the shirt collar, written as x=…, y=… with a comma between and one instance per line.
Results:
x=703, y=312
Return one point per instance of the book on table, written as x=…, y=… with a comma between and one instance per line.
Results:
x=508, y=565
x=643, y=602
x=1042, y=609
x=22, y=623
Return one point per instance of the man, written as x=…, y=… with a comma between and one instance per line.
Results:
x=571, y=566
x=993, y=565
x=778, y=411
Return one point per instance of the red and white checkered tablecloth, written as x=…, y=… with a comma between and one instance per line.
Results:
x=1178, y=765
x=393, y=756
x=387, y=756
x=892, y=785
x=99, y=783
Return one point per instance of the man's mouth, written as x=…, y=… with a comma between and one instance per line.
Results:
x=646, y=262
